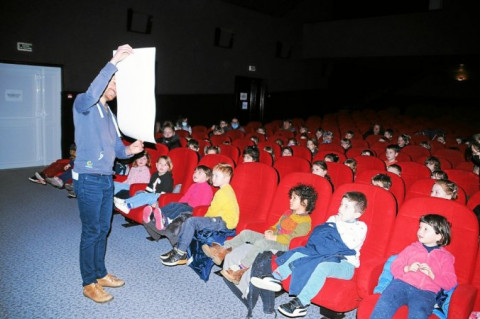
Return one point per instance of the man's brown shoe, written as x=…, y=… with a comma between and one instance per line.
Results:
x=110, y=281
x=234, y=276
x=96, y=293
x=216, y=252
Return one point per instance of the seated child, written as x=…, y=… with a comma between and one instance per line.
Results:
x=395, y=169
x=320, y=168
x=222, y=214
x=287, y=151
x=331, y=157
x=312, y=145
x=251, y=154
x=352, y=163
x=194, y=146
x=419, y=272
x=269, y=150
x=161, y=182
x=439, y=174
x=433, y=163
x=391, y=153
x=138, y=174
x=346, y=144
x=382, y=180
x=57, y=173
x=293, y=223
x=169, y=138
x=198, y=194
x=210, y=149
x=336, y=244
x=444, y=189
x=367, y=153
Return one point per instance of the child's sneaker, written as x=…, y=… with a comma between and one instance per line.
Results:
x=293, y=309
x=71, y=194
x=147, y=212
x=177, y=258
x=267, y=282
x=121, y=205
x=167, y=254
x=40, y=177
x=36, y=180
x=159, y=222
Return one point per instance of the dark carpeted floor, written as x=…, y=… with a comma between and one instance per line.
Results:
x=40, y=277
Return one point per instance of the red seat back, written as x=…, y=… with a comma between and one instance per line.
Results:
x=339, y=174
x=474, y=200
x=231, y=151
x=397, y=188
x=412, y=171
x=216, y=140
x=453, y=156
x=210, y=160
x=289, y=164
x=321, y=155
x=365, y=163
x=423, y=188
x=302, y=152
x=416, y=151
x=254, y=185
x=184, y=162
x=469, y=181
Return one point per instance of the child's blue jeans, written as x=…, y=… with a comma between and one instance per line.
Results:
x=324, y=270
x=398, y=293
x=141, y=199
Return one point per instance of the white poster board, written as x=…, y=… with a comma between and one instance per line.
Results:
x=136, y=95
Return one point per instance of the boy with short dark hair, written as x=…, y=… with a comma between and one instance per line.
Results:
x=382, y=180
x=332, y=251
x=391, y=153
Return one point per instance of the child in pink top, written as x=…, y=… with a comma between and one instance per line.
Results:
x=198, y=194
x=139, y=173
x=419, y=272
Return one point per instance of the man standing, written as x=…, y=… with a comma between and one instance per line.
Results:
x=98, y=143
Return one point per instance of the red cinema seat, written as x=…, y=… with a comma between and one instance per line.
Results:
x=210, y=160
x=365, y=163
x=416, y=151
x=289, y=164
x=343, y=295
x=476, y=282
x=397, y=188
x=474, y=200
x=277, y=150
x=231, y=151
x=444, y=163
x=465, y=166
x=357, y=151
x=200, y=136
x=242, y=143
x=339, y=174
x=464, y=245
x=469, y=181
x=252, y=126
x=182, y=133
x=281, y=201
x=184, y=161
x=217, y=140
x=234, y=134
x=265, y=157
x=199, y=129
x=423, y=188
x=412, y=171
x=302, y=152
x=254, y=185
x=321, y=155
x=453, y=156
x=331, y=148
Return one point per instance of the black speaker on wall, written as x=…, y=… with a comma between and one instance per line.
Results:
x=139, y=22
x=223, y=38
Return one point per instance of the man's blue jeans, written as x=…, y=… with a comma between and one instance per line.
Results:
x=95, y=203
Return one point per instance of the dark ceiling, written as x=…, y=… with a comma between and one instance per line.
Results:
x=275, y=8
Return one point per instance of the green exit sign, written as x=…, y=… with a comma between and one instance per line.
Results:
x=23, y=46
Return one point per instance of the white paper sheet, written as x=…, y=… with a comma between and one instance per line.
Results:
x=136, y=95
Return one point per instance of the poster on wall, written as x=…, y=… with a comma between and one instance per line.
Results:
x=136, y=107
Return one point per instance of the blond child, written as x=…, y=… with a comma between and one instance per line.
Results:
x=222, y=214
